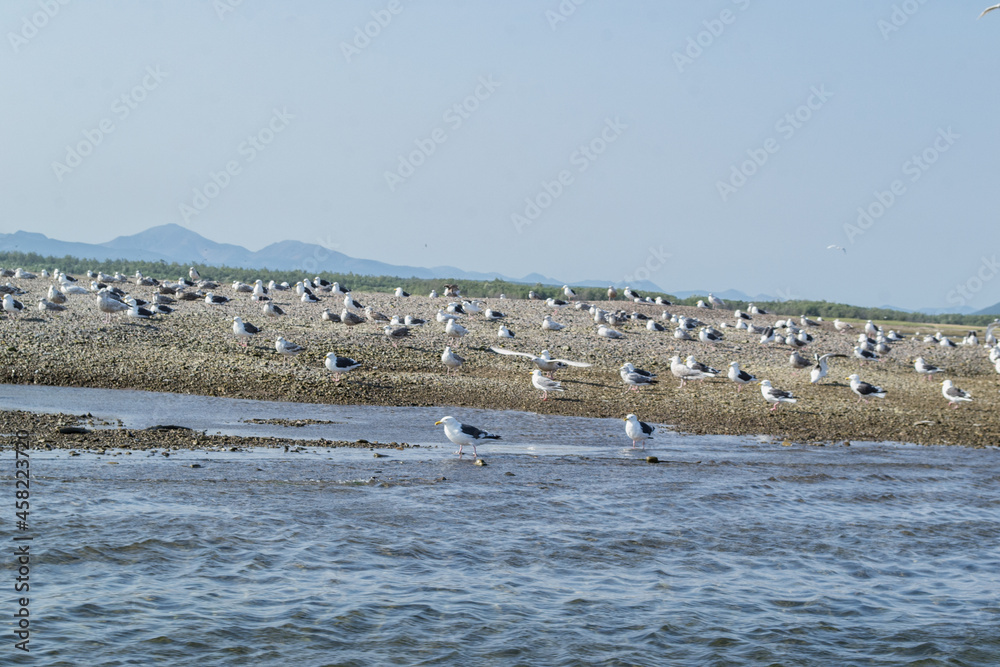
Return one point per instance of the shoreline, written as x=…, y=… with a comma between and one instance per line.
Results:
x=193, y=351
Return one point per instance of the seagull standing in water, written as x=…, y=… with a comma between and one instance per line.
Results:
x=638, y=431
x=463, y=434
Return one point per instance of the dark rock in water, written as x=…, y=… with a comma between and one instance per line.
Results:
x=379, y=456
x=166, y=427
x=198, y=465
x=509, y=474
x=73, y=430
x=652, y=459
x=479, y=462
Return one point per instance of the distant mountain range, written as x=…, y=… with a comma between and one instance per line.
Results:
x=174, y=243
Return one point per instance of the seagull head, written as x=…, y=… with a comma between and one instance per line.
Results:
x=445, y=420
x=630, y=418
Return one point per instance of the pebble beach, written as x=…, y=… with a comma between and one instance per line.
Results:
x=194, y=351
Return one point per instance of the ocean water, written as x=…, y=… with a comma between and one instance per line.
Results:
x=566, y=549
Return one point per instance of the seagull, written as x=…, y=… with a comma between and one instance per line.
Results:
x=328, y=316
x=836, y=247
x=11, y=305
x=954, y=394
x=865, y=355
x=543, y=361
x=463, y=434
x=55, y=296
x=545, y=384
x=716, y=301
x=444, y=317
x=213, y=300
x=400, y=293
x=776, y=396
x=433, y=294
x=493, y=315
x=870, y=329
x=338, y=365
x=411, y=321
x=350, y=302
x=612, y=293
x=698, y=366
x=798, y=362
x=653, y=325
x=767, y=336
x=819, y=371
x=136, y=312
x=710, y=336
x=636, y=378
x=504, y=332
x=638, y=431
x=556, y=304
x=683, y=372
x=106, y=303
x=45, y=304
x=568, y=293
x=454, y=329
x=244, y=330
x=193, y=274
x=863, y=389
x=375, y=316
x=395, y=333
x=607, y=332
x=350, y=318
x=987, y=11
x=740, y=377
x=451, y=360
x=272, y=310
x=841, y=326
x=550, y=325
x=287, y=349
x=806, y=322
x=308, y=297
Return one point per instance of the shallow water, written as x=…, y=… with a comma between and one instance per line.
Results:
x=733, y=551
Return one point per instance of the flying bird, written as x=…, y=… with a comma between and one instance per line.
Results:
x=836, y=247
x=987, y=11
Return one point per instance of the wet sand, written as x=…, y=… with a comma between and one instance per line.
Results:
x=194, y=351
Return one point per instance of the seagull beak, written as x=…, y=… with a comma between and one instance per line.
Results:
x=437, y=423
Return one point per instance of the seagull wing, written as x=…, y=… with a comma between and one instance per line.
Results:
x=500, y=350
x=578, y=364
x=987, y=11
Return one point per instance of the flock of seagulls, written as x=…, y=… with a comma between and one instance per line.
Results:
x=873, y=344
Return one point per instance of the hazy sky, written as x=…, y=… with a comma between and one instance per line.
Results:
x=706, y=145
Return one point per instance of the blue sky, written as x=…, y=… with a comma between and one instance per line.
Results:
x=706, y=145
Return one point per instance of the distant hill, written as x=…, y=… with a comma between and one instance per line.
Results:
x=174, y=243
x=989, y=310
